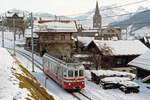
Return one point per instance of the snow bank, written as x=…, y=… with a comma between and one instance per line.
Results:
x=9, y=86
x=16, y=82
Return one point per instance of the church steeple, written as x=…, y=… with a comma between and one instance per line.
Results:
x=97, y=17
x=97, y=8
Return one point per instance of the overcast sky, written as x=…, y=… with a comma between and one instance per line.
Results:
x=62, y=7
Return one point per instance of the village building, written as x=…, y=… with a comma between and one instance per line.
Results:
x=86, y=33
x=28, y=42
x=110, y=33
x=14, y=20
x=55, y=37
x=142, y=63
x=110, y=54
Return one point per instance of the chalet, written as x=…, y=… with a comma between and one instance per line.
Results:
x=82, y=43
x=115, y=54
x=15, y=20
x=142, y=63
x=55, y=37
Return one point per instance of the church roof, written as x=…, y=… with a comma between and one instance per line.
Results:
x=97, y=9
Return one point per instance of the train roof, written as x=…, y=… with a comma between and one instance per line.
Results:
x=68, y=64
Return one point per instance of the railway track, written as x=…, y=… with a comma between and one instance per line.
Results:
x=81, y=96
x=78, y=95
x=37, y=63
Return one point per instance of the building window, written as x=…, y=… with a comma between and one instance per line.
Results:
x=62, y=37
x=51, y=37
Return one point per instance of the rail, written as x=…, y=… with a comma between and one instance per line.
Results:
x=78, y=95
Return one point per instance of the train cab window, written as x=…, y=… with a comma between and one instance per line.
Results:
x=80, y=72
x=76, y=73
x=70, y=73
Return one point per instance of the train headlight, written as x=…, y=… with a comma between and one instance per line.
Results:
x=83, y=82
x=69, y=84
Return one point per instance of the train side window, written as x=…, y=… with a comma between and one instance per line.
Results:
x=65, y=73
x=80, y=72
x=76, y=73
x=50, y=65
x=70, y=73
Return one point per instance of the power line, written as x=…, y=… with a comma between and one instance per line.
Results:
x=128, y=4
x=119, y=15
x=128, y=13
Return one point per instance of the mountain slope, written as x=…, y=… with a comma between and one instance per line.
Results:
x=136, y=21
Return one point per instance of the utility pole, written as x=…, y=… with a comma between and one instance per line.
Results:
x=14, y=27
x=2, y=31
x=32, y=42
x=127, y=33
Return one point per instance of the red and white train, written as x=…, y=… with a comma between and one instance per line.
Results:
x=69, y=76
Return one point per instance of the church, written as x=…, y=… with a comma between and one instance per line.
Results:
x=97, y=19
x=108, y=33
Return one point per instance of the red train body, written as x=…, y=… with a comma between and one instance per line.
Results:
x=69, y=76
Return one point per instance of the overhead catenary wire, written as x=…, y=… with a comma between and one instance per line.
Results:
x=117, y=15
x=128, y=4
x=119, y=6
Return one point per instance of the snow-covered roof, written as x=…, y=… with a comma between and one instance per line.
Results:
x=85, y=40
x=142, y=61
x=90, y=30
x=81, y=55
x=28, y=34
x=122, y=47
x=10, y=14
x=56, y=26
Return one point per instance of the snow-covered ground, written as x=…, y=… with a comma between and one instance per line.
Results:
x=16, y=82
x=96, y=92
x=9, y=91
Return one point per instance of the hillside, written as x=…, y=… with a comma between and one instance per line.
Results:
x=135, y=22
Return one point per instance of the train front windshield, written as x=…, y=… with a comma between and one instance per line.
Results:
x=75, y=73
